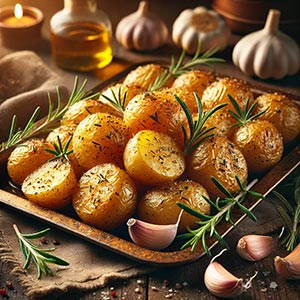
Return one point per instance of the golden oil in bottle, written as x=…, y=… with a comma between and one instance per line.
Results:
x=82, y=46
x=81, y=36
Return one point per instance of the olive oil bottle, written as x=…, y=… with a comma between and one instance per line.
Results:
x=81, y=36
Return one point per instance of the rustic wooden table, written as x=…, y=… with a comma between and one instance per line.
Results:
x=186, y=282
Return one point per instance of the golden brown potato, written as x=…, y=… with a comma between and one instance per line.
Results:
x=100, y=138
x=152, y=158
x=145, y=75
x=158, y=205
x=220, y=158
x=105, y=197
x=51, y=185
x=282, y=112
x=158, y=111
x=260, y=143
x=194, y=81
x=222, y=122
x=217, y=93
x=64, y=133
x=26, y=158
x=78, y=111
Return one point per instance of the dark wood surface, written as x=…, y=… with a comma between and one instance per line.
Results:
x=186, y=282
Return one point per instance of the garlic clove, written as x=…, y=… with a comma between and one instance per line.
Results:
x=254, y=247
x=289, y=266
x=152, y=236
x=221, y=282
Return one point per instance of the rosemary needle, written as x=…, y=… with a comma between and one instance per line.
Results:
x=33, y=127
x=207, y=223
x=41, y=257
x=176, y=68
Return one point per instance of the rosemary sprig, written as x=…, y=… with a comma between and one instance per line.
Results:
x=197, y=131
x=41, y=257
x=290, y=213
x=118, y=100
x=175, y=69
x=33, y=128
x=223, y=207
x=244, y=116
x=59, y=150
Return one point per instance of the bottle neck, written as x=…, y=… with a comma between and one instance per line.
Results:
x=90, y=5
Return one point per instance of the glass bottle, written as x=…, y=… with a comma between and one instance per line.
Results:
x=81, y=36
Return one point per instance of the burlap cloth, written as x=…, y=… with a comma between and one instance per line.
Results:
x=24, y=84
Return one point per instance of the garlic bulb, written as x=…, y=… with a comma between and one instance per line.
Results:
x=267, y=53
x=221, y=283
x=254, y=247
x=200, y=26
x=152, y=236
x=142, y=30
x=289, y=266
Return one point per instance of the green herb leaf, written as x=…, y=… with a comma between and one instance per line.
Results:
x=207, y=224
x=32, y=253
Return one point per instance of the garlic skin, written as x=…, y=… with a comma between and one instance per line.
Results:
x=289, y=266
x=152, y=236
x=254, y=247
x=142, y=30
x=267, y=53
x=221, y=282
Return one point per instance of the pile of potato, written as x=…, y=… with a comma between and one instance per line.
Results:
x=129, y=160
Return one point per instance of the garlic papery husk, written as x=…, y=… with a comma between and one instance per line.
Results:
x=254, y=247
x=221, y=283
x=289, y=266
x=152, y=236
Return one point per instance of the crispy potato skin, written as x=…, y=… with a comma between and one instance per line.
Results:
x=217, y=93
x=194, y=81
x=152, y=158
x=80, y=110
x=261, y=144
x=51, y=185
x=220, y=158
x=26, y=158
x=100, y=138
x=144, y=76
x=282, y=112
x=158, y=111
x=158, y=205
x=105, y=197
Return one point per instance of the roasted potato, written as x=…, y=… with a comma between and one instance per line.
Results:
x=26, y=158
x=220, y=158
x=217, y=93
x=282, y=112
x=158, y=205
x=261, y=144
x=144, y=76
x=158, y=111
x=153, y=158
x=78, y=111
x=51, y=185
x=100, y=138
x=194, y=81
x=105, y=197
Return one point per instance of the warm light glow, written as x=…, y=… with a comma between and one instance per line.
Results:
x=18, y=11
